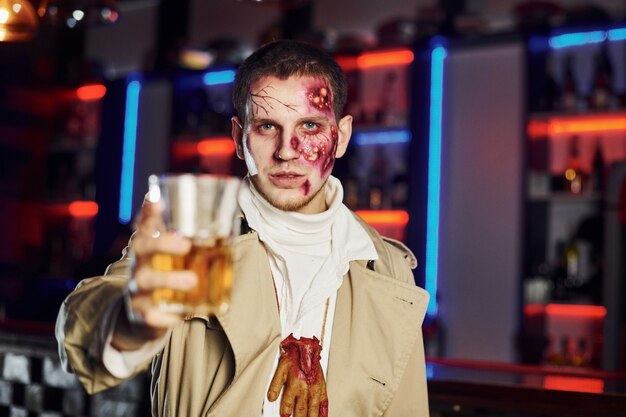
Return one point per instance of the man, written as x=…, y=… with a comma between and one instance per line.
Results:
x=325, y=318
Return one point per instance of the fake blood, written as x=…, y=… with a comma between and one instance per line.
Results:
x=320, y=98
x=330, y=157
x=320, y=149
x=304, y=354
x=317, y=147
x=324, y=408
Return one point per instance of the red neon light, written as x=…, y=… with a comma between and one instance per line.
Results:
x=537, y=129
x=381, y=59
x=571, y=383
x=83, y=208
x=390, y=217
x=185, y=149
x=376, y=59
x=347, y=63
x=583, y=126
x=220, y=146
x=576, y=125
x=91, y=92
x=573, y=310
x=534, y=309
x=566, y=310
x=216, y=147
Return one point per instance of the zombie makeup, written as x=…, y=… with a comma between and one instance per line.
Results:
x=292, y=134
x=249, y=160
x=318, y=145
x=319, y=98
x=319, y=148
x=263, y=101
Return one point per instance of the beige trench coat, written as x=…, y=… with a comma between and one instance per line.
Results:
x=220, y=366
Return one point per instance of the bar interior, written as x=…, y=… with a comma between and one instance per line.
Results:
x=489, y=136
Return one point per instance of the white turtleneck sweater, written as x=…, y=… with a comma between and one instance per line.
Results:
x=309, y=254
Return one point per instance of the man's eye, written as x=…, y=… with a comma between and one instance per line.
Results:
x=266, y=127
x=310, y=125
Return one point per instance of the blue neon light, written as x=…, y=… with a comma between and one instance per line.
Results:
x=583, y=38
x=382, y=137
x=577, y=39
x=438, y=56
x=219, y=77
x=128, y=151
x=430, y=370
x=617, y=34
x=538, y=44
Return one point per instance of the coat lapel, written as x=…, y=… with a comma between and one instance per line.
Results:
x=251, y=322
x=377, y=321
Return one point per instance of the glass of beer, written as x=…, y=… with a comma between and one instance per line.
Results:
x=203, y=208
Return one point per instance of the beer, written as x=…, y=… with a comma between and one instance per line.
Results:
x=213, y=266
x=203, y=208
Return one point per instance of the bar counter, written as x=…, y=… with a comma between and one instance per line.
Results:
x=475, y=388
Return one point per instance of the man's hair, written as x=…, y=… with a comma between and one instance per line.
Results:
x=283, y=59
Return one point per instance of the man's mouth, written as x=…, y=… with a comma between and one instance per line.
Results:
x=287, y=179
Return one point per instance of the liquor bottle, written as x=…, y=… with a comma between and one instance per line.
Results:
x=551, y=356
x=388, y=112
x=567, y=347
x=377, y=183
x=352, y=193
x=400, y=191
x=559, y=274
x=580, y=356
x=562, y=356
x=596, y=181
x=574, y=176
x=549, y=100
x=570, y=100
x=602, y=94
x=572, y=264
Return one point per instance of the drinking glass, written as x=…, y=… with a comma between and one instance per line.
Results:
x=204, y=209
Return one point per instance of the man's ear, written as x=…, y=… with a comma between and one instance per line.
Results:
x=237, y=134
x=344, y=132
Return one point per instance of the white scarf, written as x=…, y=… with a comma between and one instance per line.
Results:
x=309, y=253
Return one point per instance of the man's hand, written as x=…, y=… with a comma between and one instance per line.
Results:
x=299, y=374
x=149, y=239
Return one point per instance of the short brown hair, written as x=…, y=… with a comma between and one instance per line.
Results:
x=283, y=59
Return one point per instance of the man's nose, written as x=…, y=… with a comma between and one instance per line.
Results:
x=287, y=148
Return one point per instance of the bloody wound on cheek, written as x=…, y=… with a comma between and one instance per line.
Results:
x=312, y=151
x=295, y=143
x=306, y=187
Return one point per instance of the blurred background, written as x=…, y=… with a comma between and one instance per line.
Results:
x=490, y=136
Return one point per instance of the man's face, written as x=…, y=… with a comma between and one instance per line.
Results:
x=290, y=140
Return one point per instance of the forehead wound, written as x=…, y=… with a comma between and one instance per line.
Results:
x=320, y=97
